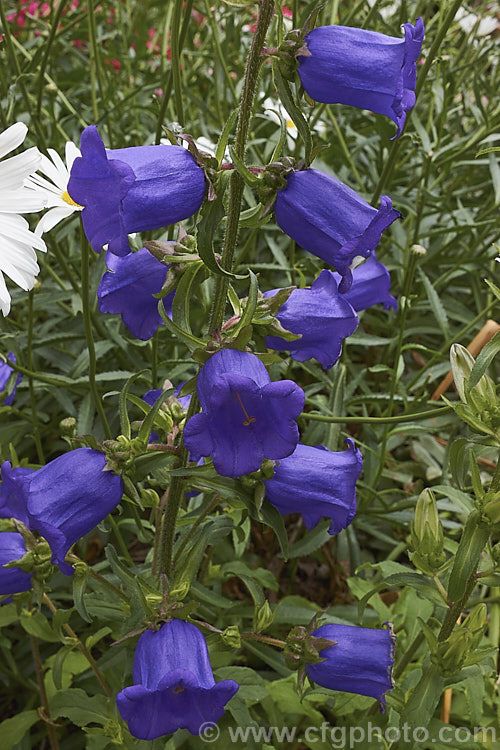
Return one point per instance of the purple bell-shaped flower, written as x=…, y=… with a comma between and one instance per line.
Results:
x=127, y=288
x=63, y=500
x=363, y=68
x=174, y=687
x=331, y=220
x=135, y=189
x=245, y=417
x=360, y=662
x=5, y=373
x=317, y=483
x=322, y=316
x=12, y=580
x=371, y=284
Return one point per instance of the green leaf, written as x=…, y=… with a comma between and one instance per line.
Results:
x=14, y=729
x=149, y=419
x=183, y=297
x=484, y=359
x=271, y=517
x=211, y=215
x=228, y=126
x=81, y=709
x=250, y=306
x=37, y=624
x=122, y=403
x=437, y=306
x=311, y=541
x=187, y=338
x=295, y=113
x=424, y=698
x=474, y=539
x=248, y=177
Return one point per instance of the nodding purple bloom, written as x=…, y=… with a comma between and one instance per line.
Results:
x=371, y=283
x=136, y=189
x=317, y=483
x=174, y=687
x=5, y=372
x=363, y=68
x=360, y=662
x=63, y=500
x=330, y=220
x=324, y=318
x=12, y=580
x=127, y=288
x=245, y=416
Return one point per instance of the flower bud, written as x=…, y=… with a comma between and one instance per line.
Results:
x=263, y=618
x=427, y=534
x=231, y=636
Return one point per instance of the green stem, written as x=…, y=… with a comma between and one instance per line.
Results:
x=210, y=507
x=87, y=322
x=82, y=648
x=48, y=46
x=236, y=184
x=167, y=87
x=176, y=60
x=400, y=418
x=54, y=743
x=34, y=415
x=455, y=610
x=165, y=534
x=165, y=541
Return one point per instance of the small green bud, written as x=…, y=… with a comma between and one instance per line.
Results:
x=263, y=618
x=491, y=509
x=476, y=619
x=68, y=426
x=231, y=636
x=149, y=498
x=427, y=536
x=496, y=553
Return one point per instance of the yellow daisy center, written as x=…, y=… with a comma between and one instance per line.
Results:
x=68, y=199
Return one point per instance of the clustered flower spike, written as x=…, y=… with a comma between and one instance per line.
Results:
x=331, y=220
x=63, y=500
x=360, y=662
x=322, y=316
x=127, y=288
x=135, y=189
x=17, y=242
x=363, y=68
x=317, y=483
x=174, y=687
x=245, y=417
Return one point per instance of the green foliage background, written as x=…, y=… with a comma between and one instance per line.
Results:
x=390, y=366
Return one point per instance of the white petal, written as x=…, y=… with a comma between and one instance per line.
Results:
x=4, y=296
x=51, y=218
x=18, y=265
x=14, y=226
x=72, y=152
x=14, y=170
x=57, y=171
x=12, y=138
x=22, y=201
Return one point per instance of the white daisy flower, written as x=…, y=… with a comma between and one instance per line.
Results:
x=54, y=190
x=272, y=108
x=17, y=242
